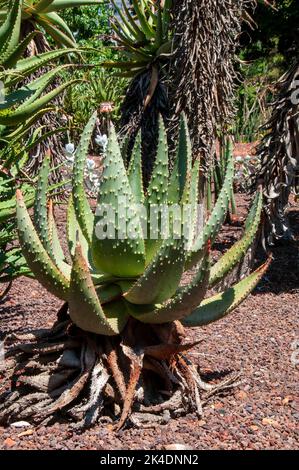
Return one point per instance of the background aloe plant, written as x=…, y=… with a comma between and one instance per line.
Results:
x=26, y=97
x=124, y=294
x=44, y=15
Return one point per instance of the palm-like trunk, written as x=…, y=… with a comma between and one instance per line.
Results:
x=202, y=72
x=278, y=171
x=199, y=79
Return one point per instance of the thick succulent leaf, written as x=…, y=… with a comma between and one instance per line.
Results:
x=181, y=304
x=121, y=252
x=135, y=172
x=19, y=115
x=182, y=167
x=189, y=206
x=63, y=4
x=22, y=129
x=56, y=251
x=36, y=256
x=82, y=208
x=10, y=29
x=140, y=36
x=239, y=249
x=15, y=98
x=157, y=194
x=60, y=23
x=84, y=306
x=39, y=85
x=42, y=5
x=222, y=304
x=166, y=16
x=25, y=67
x=145, y=26
x=108, y=292
x=216, y=219
x=117, y=314
x=127, y=23
x=159, y=28
x=74, y=234
x=10, y=57
x=8, y=206
x=59, y=36
x=74, y=231
x=161, y=278
x=40, y=204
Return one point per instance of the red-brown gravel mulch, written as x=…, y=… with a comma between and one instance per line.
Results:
x=258, y=339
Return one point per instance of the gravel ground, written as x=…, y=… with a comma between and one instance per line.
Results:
x=257, y=339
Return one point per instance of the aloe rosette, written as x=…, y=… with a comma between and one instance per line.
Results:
x=126, y=292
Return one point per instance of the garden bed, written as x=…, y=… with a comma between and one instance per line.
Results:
x=257, y=339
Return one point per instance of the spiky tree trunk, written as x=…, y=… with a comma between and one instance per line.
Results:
x=278, y=171
x=135, y=116
x=202, y=72
x=199, y=79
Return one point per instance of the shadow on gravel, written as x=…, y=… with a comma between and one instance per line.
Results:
x=283, y=274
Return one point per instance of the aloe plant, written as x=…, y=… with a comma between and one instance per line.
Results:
x=142, y=29
x=125, y=305
x=216, y=176
x=145, y=43
x=21, y=107
x=44, y=15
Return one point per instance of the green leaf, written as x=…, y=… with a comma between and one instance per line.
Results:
x=161, y=278
x=181, y=304
x=120, y=252
x=220, y=305
x=25, y=67
x=239, y=249
x=56, y=251
x=157, y=193
x=10, y=58
x=82, y=208
x=40, y=204
x=36, y=256
x=183, y=162
x=146, y=28
x=135, y=172
x=19, y=115
x=63, y=4
x=10, y=29
x=84, y=305
x=216, y=219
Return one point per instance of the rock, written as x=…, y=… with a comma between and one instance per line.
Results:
x=177, y=447
x=29, y=432
x=254, y=428
x=270, y=422
x=241, y=395
x=201, y=423
x=286, y=400
x=9, y=442
x=20, y=424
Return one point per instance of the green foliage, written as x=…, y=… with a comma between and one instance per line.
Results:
x=88, y=22
x=42, y=15
x=267, y=49
x=112, y=278
x=91, y=26
x=142, y=30
x=97, y=87
x=25, y=99
x=255, y=94
x=217, y=174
